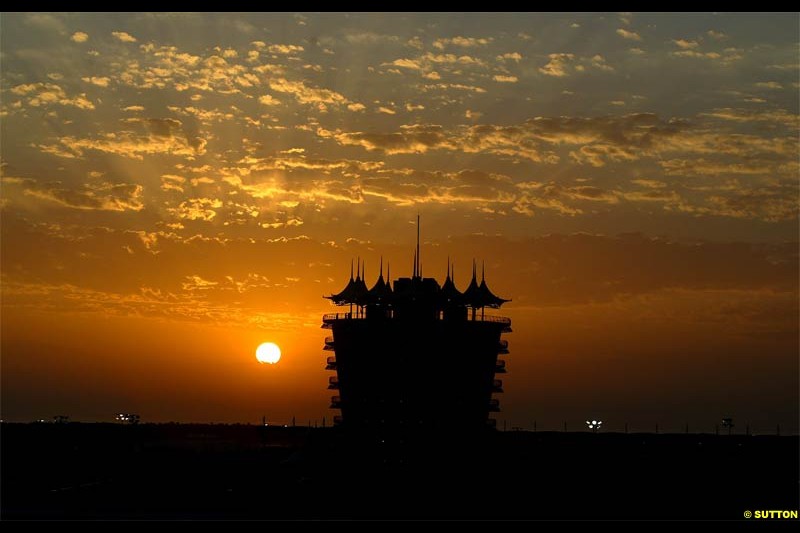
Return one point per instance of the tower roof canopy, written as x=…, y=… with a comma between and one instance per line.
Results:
x=381, y=291
x=450, y=294
x=355, y=292
x=477, y=296
x=488, y=299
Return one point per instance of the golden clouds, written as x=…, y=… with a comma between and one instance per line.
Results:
x=268, y=100
x=563, y=64
x=305, y=94
x=464, y=42
x=123, y=36
x=557, y=66
x=100, y=81
x=101, y=196
x=162, y=136
x=627, y=34
x=44, y=94
x=197, y=209
x=80, y=37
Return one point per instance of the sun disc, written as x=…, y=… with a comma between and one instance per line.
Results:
x=268, y=352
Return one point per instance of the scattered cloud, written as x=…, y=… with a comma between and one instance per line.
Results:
x=100, y=196
x=686, y=44
x=44, y=94
x=464, y=42
x=627, y=34
x=100, y=81
x=557, y=66
x=124, y=36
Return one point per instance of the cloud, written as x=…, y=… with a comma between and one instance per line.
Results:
x=268, y=99
x=500, y=78
x=599, y=62
x=44, y=94
x=772, y=203
x=305, y=94
x=685, y=44
x=123, y=36
x=80, y=37
x=161, y=136
x=464, y=42
x=412, y=64
x=99, y=81
x=195, y=283
x=774, y=116
x=370, y=38
x=557, y=66
x=286, y=49
x=630, y=35
x=772, y=85
x=172, y=182
x=91, y=196
x=562, y=64
x=650, y=184
x=510, y=56
x=600, y=139
x=197, y=209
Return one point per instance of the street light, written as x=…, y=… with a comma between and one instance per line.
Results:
x=594, y=425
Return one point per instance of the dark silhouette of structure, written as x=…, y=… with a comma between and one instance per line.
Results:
x=416, y=356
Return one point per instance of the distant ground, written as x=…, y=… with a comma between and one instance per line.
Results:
x=180, y=471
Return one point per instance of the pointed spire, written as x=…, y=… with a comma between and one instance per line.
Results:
x=351, y=269
x=473, y=270
x=364, y=270
x=414, y=269
x=418, y=260
x=381, y=274
x=358, y=268
x=448, y=267
x=483, y=271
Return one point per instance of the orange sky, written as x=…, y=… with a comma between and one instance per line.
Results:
x=177, y=189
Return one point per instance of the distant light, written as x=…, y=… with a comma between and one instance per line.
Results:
x=594, y=425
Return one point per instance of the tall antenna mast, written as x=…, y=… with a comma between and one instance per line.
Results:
x=418, y=257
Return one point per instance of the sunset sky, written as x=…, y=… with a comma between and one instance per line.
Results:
x=178, y=188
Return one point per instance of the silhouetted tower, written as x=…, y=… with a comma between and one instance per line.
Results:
x=416, y=356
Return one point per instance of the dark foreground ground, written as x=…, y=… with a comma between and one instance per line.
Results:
x=105, y=471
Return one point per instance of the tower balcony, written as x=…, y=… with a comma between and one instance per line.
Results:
x=494, y=405
x=502, y=347
x=336, y=402
x=329, y=344
x=330, y=318
x=331, y=363
x=337, y=420
x=499, y=367
x=333, y=383
x=497, y=385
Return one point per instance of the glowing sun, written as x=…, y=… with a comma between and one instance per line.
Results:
x=268, y=352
